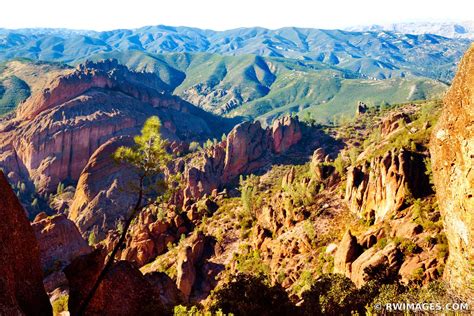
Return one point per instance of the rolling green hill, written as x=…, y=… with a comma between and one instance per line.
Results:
x=266, y=87
x=20, y=78
x=251, y=72
x=248, y=86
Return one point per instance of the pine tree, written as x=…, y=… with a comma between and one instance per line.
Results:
x=149, y=157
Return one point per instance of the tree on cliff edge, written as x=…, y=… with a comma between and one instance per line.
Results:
x=149, y=157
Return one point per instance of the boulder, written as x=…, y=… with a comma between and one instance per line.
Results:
x=124, y=290
x=347, y=251
x=393, y=122
x=59, y=241
x=390, y=258
x=247, y=149
x=102, y=196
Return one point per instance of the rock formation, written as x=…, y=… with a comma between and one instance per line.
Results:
x=380, y=188
x=247, y=150
x=124, y=291
x=452, y=151
x=186, y=265
x=393, y=122
x=389, y=258
x=286, y=132
x=103, y=194
x=347, y=251
x=59, y=241
x=248, y=147
x=21, y=285
x=150, y=236
x=57, y=129
x=366, y=257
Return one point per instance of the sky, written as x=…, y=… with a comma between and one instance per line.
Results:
x=222, y=15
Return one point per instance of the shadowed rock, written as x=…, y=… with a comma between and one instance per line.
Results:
x=124, y=291
x=59, y=240
x=21, y=278
x=380, y=188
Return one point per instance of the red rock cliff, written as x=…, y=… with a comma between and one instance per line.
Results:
x=57, y=129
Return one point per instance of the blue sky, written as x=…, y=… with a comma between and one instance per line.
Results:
x=221, y=15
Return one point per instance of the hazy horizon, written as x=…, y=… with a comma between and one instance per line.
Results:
x=220, y=16
x=234, y=28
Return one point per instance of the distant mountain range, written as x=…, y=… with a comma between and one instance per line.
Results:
x=371, y=54
x=253, y=72
x=447, y=29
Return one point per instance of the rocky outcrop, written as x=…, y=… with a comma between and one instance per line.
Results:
x=102, y=198
x=151, y=235
x=124, y=291
x=286, y=132
x=347, y=251
x=59, y=241
x=21, y=286
x=57, y=129
x=103, y=194
x=452, y=152
x=108, y=74
x=361, y=108
x=186, y=265
x=389, y=258
x=248, y=148
x=382, y=187
x=398, y=248
x=393, y=122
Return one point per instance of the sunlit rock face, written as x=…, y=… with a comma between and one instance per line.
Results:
x=452, y=152
x=57, y=129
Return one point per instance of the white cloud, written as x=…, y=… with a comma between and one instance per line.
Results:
x=220, y=15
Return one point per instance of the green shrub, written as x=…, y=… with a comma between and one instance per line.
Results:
x=309, y=230
x=250, y=262
x=304, y=282
x=332, y=294
x=251, y=295
x=340, y=164
x=92, y=238
x=194, y=146
x=408, y=247
x=248, y=191
x=418, y=274
x=60, y=305
x=300, y=193
x=381, y=243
